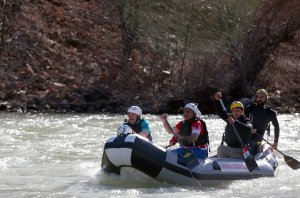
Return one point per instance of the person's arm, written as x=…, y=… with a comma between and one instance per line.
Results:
x=244, y=126
x=173, y=141
x=248, y=110
x=189, y=138
x=275, y=123
x=163, y=118
x=218, y=106
x=176, y=135
x=196, y=130
x=244, y=129
x=144, y=133
x=145, y=129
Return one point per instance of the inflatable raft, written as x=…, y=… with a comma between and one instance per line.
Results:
x=166, y=166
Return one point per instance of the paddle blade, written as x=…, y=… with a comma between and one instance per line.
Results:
x=249, y=159
x=291, y=162
x=251, y=163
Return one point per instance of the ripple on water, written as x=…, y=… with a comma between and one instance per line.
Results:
x=60, y=156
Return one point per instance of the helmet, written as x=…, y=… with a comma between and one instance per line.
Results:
x=124, y=130
x=193, y=107
x=236, y=104
x=262, y=91
x=135, y=109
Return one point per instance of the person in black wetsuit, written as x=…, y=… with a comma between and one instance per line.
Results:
x=261, y=115
x=241, y=123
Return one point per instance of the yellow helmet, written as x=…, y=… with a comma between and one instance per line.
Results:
x=262, y=91
x=236, y=104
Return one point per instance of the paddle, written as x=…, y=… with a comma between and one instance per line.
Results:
x=291, y=162
x=189, y=158
x=248, y=158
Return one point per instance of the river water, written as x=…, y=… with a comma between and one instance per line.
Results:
x=54, y=155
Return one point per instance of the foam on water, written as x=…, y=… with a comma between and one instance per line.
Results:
x=45, y=155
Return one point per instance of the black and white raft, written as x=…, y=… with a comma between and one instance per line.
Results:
x=166, y=166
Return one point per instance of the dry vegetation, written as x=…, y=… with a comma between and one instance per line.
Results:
x=99, y=55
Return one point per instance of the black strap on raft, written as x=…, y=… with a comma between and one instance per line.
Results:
x=205, y=136
x=223, y=139
x=268, y=130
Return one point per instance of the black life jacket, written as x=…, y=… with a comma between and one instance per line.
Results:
x=185, y=130
x=244, y=132
x=137, y=127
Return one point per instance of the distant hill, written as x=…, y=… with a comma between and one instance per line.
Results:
x=102, y=56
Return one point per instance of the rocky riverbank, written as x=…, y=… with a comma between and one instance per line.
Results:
x=70, y=56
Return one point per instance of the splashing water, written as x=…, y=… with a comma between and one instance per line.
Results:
x=52, y=155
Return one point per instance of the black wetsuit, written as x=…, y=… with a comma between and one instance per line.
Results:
x=242, y=124
x=261, y=115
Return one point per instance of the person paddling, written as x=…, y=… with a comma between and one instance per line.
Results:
x=190, y=132
x=240, y=122
x=261, y=115
x=136, y=123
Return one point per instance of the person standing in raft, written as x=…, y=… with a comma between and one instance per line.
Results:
x=241, y=123
x=136, y=123
x=191, y=132
x=261, y=115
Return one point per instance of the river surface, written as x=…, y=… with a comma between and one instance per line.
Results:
x=50, y=155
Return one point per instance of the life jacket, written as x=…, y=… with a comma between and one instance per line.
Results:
x=137, y=127
x=185, y=130
x=243, y=130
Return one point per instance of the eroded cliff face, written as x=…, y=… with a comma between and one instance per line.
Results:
x=64, y=55
x=59, y=54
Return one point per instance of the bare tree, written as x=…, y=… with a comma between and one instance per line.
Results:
x=4, y=9
x=128, y=36
x=252, y=55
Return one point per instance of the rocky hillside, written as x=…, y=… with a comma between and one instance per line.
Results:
x=95, y=56
x=59, y=55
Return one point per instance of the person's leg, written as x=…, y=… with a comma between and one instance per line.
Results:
x=229, y=152
x=234, y=153
x=254, y=144
x=221, y=152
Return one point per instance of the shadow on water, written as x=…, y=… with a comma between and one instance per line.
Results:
x=131, y=178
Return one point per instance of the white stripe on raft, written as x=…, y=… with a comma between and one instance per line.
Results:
x=131, y=138
x=119, y=156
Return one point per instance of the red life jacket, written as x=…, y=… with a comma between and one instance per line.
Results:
x=186, y=130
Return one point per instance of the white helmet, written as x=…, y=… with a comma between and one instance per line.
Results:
x=124, y=130
x=135, y=109
x=193, y=107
